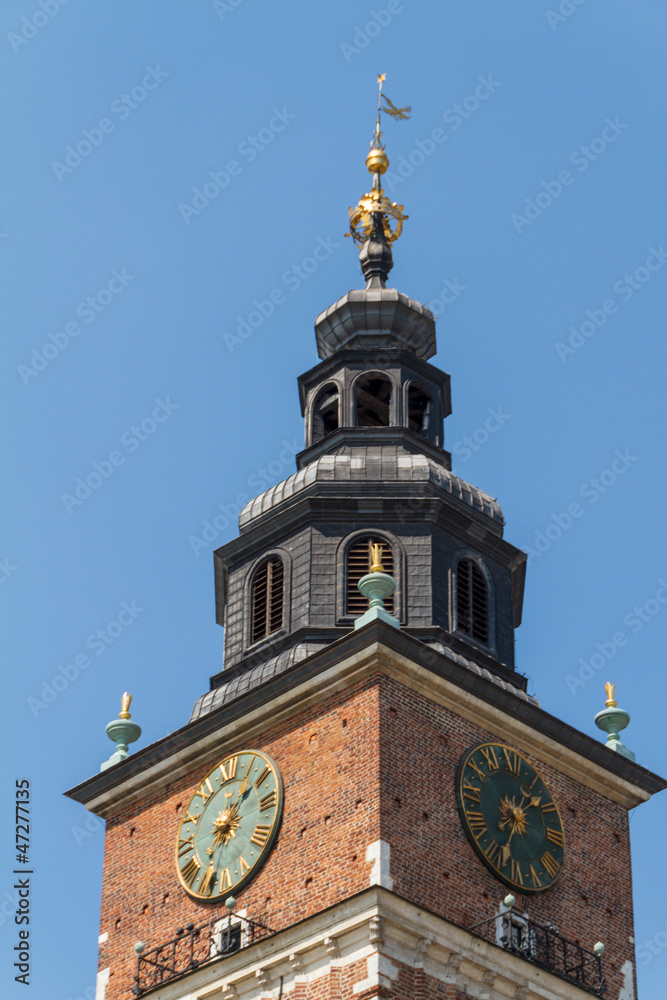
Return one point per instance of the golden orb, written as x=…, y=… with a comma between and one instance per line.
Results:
x=377, y=161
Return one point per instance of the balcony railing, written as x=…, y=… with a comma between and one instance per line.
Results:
x=194, y=947
x=545, y=947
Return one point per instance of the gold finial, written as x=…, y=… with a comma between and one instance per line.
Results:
x=125, y=706
x=611, y=691
x=376, y=558
x=375, y=209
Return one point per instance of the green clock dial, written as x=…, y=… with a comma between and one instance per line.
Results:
x=229, y=825
x=510, y=817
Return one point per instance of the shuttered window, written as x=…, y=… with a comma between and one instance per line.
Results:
x=267, y=599
x=358, y=564
x=472, y=601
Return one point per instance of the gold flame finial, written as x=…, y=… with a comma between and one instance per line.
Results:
x=125, y=706
x=611, y=691
x=376, y=558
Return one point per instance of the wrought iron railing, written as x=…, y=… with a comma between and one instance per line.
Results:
x=545, y=947
x=194, y=947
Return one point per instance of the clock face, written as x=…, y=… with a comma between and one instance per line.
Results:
x=229, y=825
x=510, y=817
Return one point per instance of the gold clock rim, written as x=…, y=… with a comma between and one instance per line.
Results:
x=241, y=884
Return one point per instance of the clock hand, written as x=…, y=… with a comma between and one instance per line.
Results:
x=244, y=785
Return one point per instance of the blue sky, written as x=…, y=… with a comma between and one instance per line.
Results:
x=532, y=170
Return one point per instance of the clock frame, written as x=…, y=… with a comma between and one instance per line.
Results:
x=510, y=817
x=229, y=826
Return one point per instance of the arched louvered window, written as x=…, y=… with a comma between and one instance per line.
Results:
x=325, y=412
x=472, y=601
x=267, y=599
x=372, y=401
x=358, y=564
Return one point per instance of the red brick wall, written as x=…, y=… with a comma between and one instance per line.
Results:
x=331, y=758
x=328, y=758
x=434, y=865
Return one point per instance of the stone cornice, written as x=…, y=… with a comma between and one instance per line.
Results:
x=375, y=648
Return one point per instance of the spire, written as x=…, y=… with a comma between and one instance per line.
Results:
x=370, y=225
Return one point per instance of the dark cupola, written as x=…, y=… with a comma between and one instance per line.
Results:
x=374, y=469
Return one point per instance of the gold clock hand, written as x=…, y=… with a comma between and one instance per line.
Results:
x=244, y=785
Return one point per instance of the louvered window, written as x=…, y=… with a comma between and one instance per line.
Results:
x=267, y=600
x=358, y=564
x=472, y=601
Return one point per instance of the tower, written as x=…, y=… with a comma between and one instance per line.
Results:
x=376, y=811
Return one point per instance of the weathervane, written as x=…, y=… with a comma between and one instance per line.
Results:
x=372, y=215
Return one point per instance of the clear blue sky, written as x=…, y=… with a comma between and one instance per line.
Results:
x=123, y=287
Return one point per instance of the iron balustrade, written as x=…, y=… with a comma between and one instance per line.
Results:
x=194, y=947
x=545, y=947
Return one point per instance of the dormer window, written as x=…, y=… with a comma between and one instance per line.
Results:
x=266, y=601
x=472, y=601
x=325, y=412
x=372, y=396
x=358, y=564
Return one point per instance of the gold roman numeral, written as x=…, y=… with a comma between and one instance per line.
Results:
x=515, y=873
x=202, y=791
x=536, y=880
x=489, y=755
x=229, y=772
x=550, y=865
x=206, y=885
x=244, y=867
x=185, y=846
x=268, y=801
x=556, y=837
x=548, y=807
x=190, y=872
x=225, y=879
x=263, y=776
x=261, y=835
x=513, y=762
x=477, y=824
x=189, y=818
x=492, y=851
x=471, y=791
x=480, y=773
